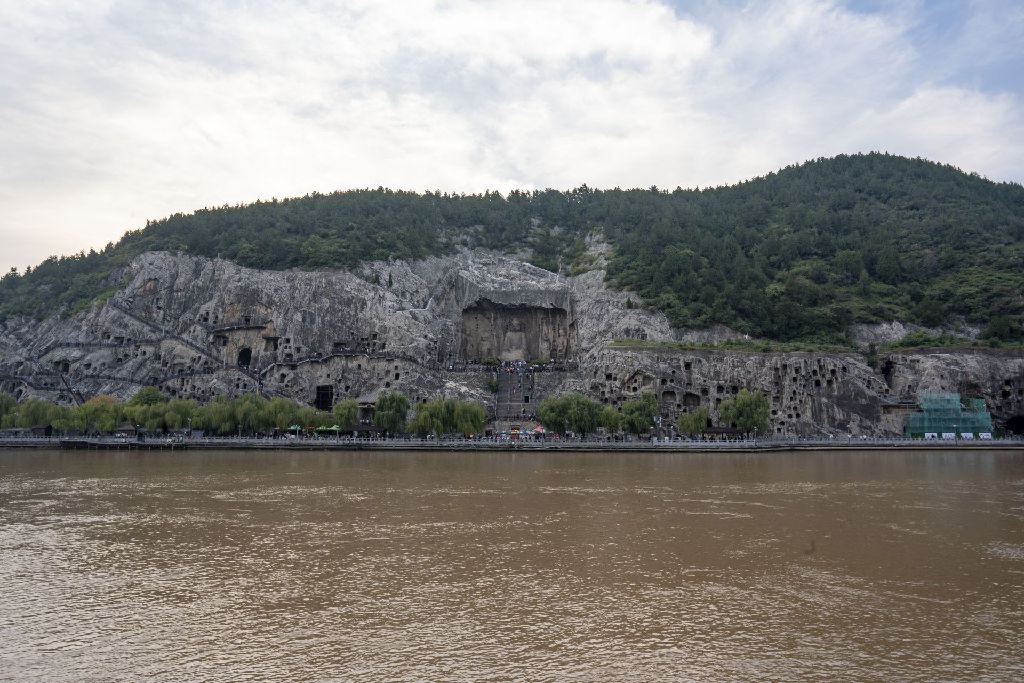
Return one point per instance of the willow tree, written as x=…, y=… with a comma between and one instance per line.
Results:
x=390, y=412
x=570, y=411
x=346, y=413
x=694, y=423
x=748, y=412
x=448, y=417
x=611, y=419
x=638, y=414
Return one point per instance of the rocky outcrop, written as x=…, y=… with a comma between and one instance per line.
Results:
x=810, y=393
x=198, y=328
x=864, y=336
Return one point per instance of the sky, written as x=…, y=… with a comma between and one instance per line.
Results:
x=115, y=112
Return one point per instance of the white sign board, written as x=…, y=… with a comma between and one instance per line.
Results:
x=985, y=436
x=948, y=436
x=967, y=436
x=931, y=435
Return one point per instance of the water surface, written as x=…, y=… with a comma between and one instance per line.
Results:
x=503, y=566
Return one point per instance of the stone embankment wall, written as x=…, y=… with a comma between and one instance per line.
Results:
x=198, y=328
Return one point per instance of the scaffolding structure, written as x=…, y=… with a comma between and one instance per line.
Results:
x=946, y=414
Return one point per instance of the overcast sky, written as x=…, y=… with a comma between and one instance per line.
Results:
x=115, y=112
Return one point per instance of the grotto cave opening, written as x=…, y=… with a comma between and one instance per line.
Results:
x=490, y=330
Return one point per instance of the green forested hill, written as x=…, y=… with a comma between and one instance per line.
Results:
x=798, y=254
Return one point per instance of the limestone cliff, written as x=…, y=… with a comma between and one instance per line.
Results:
x=198, y=328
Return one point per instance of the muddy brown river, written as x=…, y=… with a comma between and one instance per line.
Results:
x=505, y=567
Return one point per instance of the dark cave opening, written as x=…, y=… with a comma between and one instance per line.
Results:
x=1015, y=425
x=324, y=397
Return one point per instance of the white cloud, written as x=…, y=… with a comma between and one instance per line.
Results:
x=114, y=113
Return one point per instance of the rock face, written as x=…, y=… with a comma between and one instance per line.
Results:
x=490, y=330
x=863, y=336
x=198, y=328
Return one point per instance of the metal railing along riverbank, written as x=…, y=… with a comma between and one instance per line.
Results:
x=665, y=445
x=496, y=444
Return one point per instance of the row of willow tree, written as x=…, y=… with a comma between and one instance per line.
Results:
x=249, y=414
x=747, y=412
x=253, y=414
x=795, y=255
x=148, y=409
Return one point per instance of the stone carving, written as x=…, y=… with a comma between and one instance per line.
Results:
x=490, y=330
x=198, y=328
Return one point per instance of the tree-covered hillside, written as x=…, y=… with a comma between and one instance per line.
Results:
x=798, y=254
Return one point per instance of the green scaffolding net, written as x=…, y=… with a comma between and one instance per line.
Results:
x=946, y=413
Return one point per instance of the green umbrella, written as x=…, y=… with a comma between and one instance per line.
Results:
x=295, y=428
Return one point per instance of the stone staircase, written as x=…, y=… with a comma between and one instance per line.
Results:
x=514, y=400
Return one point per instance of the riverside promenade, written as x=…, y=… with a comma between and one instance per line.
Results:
x=569, y=445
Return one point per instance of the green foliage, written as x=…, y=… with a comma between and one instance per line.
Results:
x=1004, y=328
x=148, y=416
x=693, y=423
x=1001, y=332
x=748, y=412
x=570, y=412
x=816, y=344
x=429, y=419
x=248, y=414
x=31, y=413
x=147, y=396
x=611, y=419
x=638, y=414
x=100, y=414
x=390, y=412
x=469, y=417
x=346, y=413
x=551, y=413
x=923, y=339
x=7, y=405
x=280, y=413
x=311, y=419
x=582, y=414
x=218, y=417
x=179, y=413
x=795, y=255
x=448, y=417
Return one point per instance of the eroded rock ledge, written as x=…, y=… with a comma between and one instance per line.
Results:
x=197, y=328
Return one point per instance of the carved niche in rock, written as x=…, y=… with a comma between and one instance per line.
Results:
x=490, y=330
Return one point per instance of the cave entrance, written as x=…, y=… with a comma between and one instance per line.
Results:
x=324, y=397
x=888, y=371
x=1015, y=425
x=515, y=332
x=244, y=357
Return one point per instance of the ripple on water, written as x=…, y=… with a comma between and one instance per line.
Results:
x=569, y=569
x=1007, y=551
